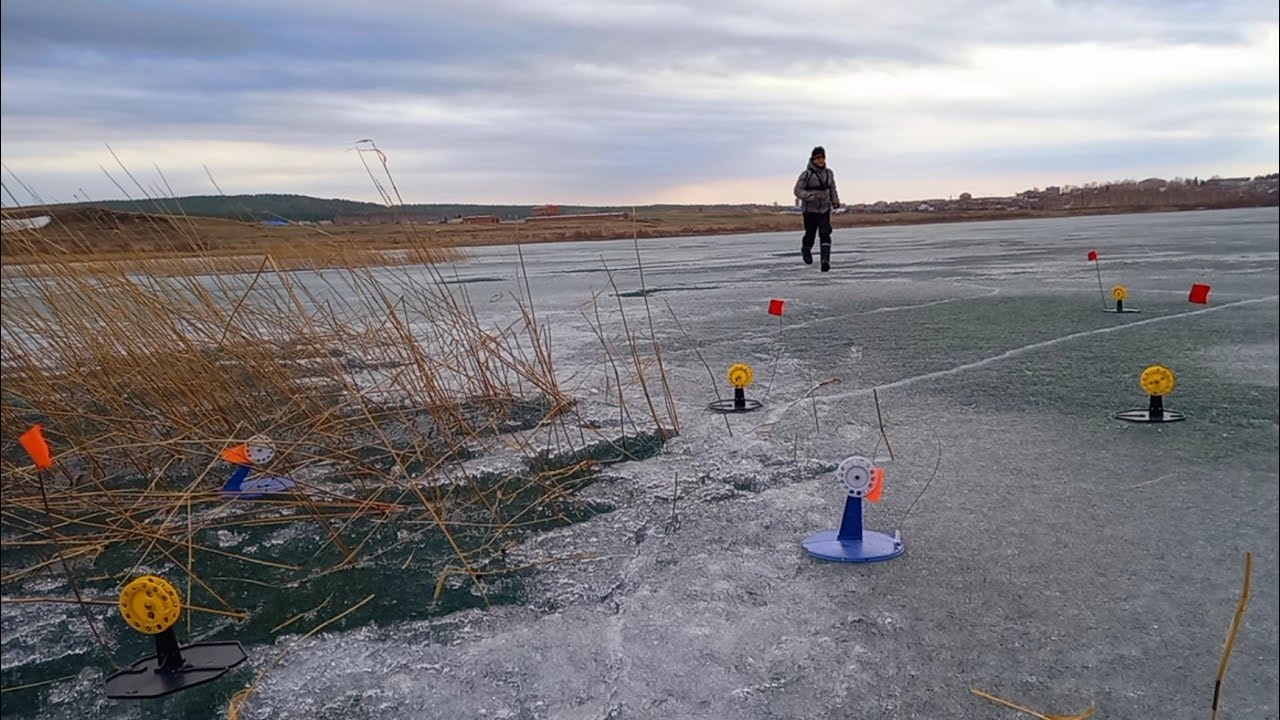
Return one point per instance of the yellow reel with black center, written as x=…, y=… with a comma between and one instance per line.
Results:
x=150, y=604
x=741, y=375
x=1158, y=381
x=1120, y=293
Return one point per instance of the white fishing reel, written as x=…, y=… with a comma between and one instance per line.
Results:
x=260, y=450
x=855, y=473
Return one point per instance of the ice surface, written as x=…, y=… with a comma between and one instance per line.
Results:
x=1059, y=558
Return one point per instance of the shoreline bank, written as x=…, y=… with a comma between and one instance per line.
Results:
x=101, y=238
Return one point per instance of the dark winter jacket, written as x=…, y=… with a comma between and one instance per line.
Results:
x=816, y=187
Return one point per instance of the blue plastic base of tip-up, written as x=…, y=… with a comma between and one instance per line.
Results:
x=240, y=485
x=851, y=543
x=873, y=547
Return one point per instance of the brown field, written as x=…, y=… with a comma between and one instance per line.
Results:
x=167, y=245
x=220, y=245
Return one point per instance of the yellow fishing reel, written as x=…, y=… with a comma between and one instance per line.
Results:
x=150, y=604
x=1120, y=293
x=741, y=375
x=1157, y=381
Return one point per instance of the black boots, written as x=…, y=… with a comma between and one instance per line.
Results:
x=807, y=254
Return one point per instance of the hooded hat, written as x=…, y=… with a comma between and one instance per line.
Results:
x=818, y=152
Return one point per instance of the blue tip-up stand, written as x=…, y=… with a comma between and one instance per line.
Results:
x=241, y=486
x=851, y=543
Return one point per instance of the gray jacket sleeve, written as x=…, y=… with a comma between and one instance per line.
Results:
x=835, y=196
x=801, y=192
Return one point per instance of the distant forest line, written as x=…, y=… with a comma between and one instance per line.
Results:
x=304, y=208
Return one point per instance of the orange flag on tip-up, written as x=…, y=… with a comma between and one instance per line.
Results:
x=877, y=485
x=37, y=447
x=238, y=455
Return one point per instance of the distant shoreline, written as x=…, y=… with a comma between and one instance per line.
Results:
x=782, y=222
x=84, y=236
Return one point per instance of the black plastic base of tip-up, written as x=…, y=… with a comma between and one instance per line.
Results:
x=1155, y=413
x=739, y=404
x=173, y=669
x=1119, y=308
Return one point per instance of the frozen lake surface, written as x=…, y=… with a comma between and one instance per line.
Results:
x=1059, y=557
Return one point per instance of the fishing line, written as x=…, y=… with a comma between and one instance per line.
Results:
x=1097, y=266
x=777, y=355
x=938, y=464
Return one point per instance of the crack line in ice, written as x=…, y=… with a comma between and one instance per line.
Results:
x=1038, y=346
x=991, y=291
x=894, y=308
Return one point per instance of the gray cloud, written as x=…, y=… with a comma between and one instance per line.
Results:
x=36, y=31
x=513, y=100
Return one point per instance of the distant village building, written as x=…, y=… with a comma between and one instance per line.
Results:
x=481, y=220
x=546, y=211
x=1129, y=194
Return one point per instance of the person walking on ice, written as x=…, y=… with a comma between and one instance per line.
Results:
x=816, y=189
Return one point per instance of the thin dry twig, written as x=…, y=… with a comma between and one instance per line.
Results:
x=880, y=418
x=239, y=699
x=110, y=603
x=1083, y=715
x=1231, y=633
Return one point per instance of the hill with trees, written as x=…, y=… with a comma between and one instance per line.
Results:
x=270, y=206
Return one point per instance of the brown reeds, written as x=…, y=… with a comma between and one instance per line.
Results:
x=377, y=386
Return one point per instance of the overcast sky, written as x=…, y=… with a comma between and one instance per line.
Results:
x=606, y=101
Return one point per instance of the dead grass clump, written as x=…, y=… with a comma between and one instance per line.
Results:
x=378, y=386
x=384, y=383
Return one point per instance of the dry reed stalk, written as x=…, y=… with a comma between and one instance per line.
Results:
x=1083, y=715
x=1230, y=643
x=653, y=338
x=880, y=419
x=112, y=603
x=635, y=358
x=715, y=386
x=239, y=699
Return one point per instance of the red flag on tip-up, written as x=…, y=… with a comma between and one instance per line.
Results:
x=775, y=306
x=1093, y=256
x=37, y=447
x=1199, y=294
